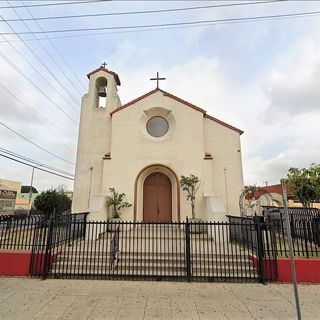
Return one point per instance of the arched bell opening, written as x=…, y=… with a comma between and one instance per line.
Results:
x=101, y=92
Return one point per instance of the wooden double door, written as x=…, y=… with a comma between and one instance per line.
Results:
x=157, y=198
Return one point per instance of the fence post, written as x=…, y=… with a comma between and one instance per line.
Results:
x=316, y=230
x=260, y=247
x=47, y=253
x=188, y=257
x=305, y=236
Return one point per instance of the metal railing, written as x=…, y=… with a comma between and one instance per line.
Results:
x=176, y=250
x=305, y=230
x=26, y=232
x=17, y=233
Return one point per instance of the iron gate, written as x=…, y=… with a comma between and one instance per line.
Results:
x=210, y=251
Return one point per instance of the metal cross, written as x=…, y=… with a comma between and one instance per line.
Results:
x=104, y=65
x=157, y=78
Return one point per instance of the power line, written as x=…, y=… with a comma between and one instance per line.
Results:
x=56, y=4
x=189, y=23
x=146, y=11
x=56, y=50
x=33, y=166
x=4, y=57
x=33, y=143
x=16, y=155
x=41, y=62
x=33, y=67
x=49, y=53
x=28, y=107
x=215, y=22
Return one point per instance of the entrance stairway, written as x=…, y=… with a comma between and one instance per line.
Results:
x=160, y=252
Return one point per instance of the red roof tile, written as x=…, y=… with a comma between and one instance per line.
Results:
x=108, y=71
x=167, y=94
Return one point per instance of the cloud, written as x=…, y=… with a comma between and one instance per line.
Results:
x=292, y=86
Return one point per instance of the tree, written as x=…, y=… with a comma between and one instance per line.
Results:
x=50, y=200
x=115, y=201
x=305, y=184
x=26, y=189
x=190, y=185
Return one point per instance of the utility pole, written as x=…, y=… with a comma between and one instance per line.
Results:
x=31, y=185
x=293, y=268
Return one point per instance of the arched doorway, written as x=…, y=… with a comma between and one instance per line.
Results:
x=157, y=198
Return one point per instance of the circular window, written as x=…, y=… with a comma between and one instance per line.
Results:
x=157, y=126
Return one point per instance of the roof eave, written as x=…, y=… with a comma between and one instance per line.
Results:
x=108, y=71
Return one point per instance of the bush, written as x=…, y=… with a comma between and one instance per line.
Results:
x=50, y=200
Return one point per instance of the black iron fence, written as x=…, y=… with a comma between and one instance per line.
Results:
x=176, y=250
x=304, y=226
x=17, y=233
x=26, y=232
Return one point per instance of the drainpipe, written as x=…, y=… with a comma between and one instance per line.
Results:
x=90, y=182
x=226, y=188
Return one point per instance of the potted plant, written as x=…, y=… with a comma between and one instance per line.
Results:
x=116, y=202
x=191, y=185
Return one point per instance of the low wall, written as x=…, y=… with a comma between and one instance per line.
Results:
x=17, y=263
x=307, y=270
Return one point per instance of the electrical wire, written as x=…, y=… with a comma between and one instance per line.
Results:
x=173, y=24
x=36, y=145
x=47, y=51
x=147, y=11
x=21, y=157
x=56, y=4
x=35, y=69
x=56, y=50
x=36, y=167
x=35, y=114
x=42, y=63
x=13, y=65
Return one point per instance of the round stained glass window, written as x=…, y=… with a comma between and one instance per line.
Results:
x=157, y=126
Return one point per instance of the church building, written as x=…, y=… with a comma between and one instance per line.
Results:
x=143, y=147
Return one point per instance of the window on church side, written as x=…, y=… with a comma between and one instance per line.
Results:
x=157, y=126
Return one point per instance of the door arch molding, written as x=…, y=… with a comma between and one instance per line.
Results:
x=138, y=190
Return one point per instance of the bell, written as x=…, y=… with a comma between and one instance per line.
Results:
x=102, y=92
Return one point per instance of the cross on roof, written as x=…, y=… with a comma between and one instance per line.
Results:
x=104, y=65
x=157, y=78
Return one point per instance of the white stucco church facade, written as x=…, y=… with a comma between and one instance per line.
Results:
x=142, y=148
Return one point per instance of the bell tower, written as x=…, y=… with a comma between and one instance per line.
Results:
x=94, y=138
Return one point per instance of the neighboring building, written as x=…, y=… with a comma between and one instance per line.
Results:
x=8, y=194
x=24, y=202
x=276, y=193
x=143, y=147
x=10, y=185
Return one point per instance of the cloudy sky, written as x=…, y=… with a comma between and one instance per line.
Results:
x=260, y=76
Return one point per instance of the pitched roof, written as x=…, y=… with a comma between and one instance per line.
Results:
x=223, y=123
x=167, y=94
x=108, y=71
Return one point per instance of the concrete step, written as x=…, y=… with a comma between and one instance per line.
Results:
x=147, y=261
x=152, y=270
x=96, y=255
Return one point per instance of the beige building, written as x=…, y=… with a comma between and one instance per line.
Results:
x=10, y=185
x=142, y=148
x=8, y=195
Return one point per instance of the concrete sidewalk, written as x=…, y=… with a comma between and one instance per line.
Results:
x=22, y=298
